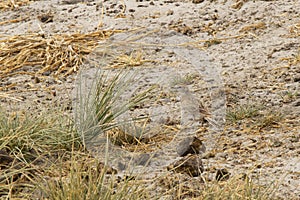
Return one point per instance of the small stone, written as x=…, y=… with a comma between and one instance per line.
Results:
x=70, y=2
x=297, y=78
x=296, y=103
x=295, y=138
x=36, y=80
x=222, y=175
x=190, y=145
x=190, y=165
x=46, y=18
x=277, y=143
x=142, y=6
x=170, y=12
x=197, y=1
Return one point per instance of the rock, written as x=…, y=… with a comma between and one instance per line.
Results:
x=46, y=18
x=297, y=78
x=190, y=165
x=70, y=2
x=197, y=1
x=190, y=145
x=296, y=103
x=222, y=175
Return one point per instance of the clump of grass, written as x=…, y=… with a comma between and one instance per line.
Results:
x=27, y=142
x=238, y=187
x=258, y=116
x=85, y=179
x=242, y=112
x=101, y=109
x=187, y=79
x=42, y=157
x=41, y=132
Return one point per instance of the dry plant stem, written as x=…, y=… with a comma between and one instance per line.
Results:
x=12, y=4
x=60, y=54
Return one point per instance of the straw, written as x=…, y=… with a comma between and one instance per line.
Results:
x=38, y=54
x=12, y=4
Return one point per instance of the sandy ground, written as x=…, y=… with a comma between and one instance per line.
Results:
x=250, y=49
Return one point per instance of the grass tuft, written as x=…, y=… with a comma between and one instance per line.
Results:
x=242, y=112
x=102, y=109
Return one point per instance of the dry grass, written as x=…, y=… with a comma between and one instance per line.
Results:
x=132, y=60
x=28, y=144
x=80, y=176
x=13, y=4
x=295, y=30
x=40, y=161
x=23, y=18
x=238, y=187
x=39, y=55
